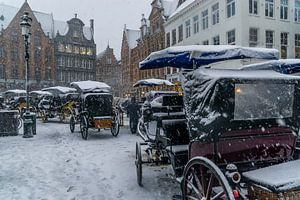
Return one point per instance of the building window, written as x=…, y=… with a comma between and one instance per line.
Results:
x=180, y=33
x=37, y=41
x=269, y=39
x=168, y=41
x=253, y=37
x=14, y=36
x=231, y=37
x=297, y=10
x=253, y=7
x=284, y=9
x=284, y=44
x=82, y=50
x=14, y=54
x=196, y=24
x=269, y=8
x=69, y=48
x=205, y=19
x=230, y=8
x=61, y=47
x=205, y=42
x=216, y=40
x=215, y=14
x=75, y=34
x=14, y=72
x=297, y=45
x=2, y=52
x=76, y=49
x=173, y=36
x=187, y=28
x=108, y=61
x=2, y=72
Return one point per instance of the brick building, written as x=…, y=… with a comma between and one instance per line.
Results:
x=75, y=52
x=108, y=69
x=12, y=62
x=151, y=38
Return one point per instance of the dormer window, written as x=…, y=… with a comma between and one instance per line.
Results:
x=75, y=34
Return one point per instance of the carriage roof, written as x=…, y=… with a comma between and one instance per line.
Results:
x=91, y=86
x=40, y=92
x=16, y=91
x=59, y=89
x=193, y=56
x=152, y=82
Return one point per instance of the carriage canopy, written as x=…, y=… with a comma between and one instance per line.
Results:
x=219, y=100
x=152, y=82
x=91, y=86
x=193, y=56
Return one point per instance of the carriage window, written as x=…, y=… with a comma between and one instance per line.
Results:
x=263, y=101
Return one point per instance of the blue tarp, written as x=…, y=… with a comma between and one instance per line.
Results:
x=285, y=66
x=198, y=55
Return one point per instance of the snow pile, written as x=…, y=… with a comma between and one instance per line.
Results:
x=88, y=86
x=59, y=89
x=152, y=82
x=279, y=178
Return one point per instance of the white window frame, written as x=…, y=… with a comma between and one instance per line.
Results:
x=231, y=37
x=284, y=9
x=187, y=28
x=205, y=19
x=269, y=8
x=269, y=37
x=297, y=11
x=215, y=14
x=230, y=6
x=196, y=24
x=253, y=37
x=216, y=40
x=253, y=7
x=297, y=45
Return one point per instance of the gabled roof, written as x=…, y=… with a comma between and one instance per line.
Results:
x=169, y=6
x=49, y=25
x=182, y=7
x=132, y=37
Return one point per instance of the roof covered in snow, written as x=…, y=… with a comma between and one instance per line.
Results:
x=198, y=55
x=152, y=82
x=182, y=7
x=49, y=25
x=91, y=86
x=59, y=89
x=169, y=6
x=286, y=66
x=132, y=37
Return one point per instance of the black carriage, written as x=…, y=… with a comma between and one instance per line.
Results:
x=243, y=126
x=95, y=109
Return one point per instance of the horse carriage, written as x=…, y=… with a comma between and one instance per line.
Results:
x=242, y=127
x=95, y=109
x=53, y=105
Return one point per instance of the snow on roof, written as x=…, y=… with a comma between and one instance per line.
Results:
x=88, y=86
x=132, y=37
x=286, y=66
x=151, y=82
x=59, y=89
x=46, y=21
x=199, y=55
x=16, y=91
x=101, y=54
x=182, y=7
x=40, y=92
x=281, y=177
x=169, y=6
x=60, y=27
x=8, y=13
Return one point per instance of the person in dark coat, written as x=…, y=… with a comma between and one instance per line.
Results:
x=133, y=110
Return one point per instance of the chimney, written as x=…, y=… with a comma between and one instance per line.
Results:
x=92, y=27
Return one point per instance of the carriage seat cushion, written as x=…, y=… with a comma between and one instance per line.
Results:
x=277, y=178
x=177, y=149
x=171, y=115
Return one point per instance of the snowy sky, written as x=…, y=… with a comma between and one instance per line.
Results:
x=109, y=15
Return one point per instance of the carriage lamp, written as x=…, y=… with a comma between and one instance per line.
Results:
x=25, y=26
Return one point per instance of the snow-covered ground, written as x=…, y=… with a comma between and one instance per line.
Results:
x=58, y=165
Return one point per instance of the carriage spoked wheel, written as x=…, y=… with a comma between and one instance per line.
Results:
x=202, y=180
x=138, y=163
x=115, y=128
x=72, y=124
x=84, y=127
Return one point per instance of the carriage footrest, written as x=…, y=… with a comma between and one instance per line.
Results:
x=179, y=157
x=281, y=181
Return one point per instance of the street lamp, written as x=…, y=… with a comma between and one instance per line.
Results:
x=25, y=26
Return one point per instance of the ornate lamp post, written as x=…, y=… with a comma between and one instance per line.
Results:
x=25, y=25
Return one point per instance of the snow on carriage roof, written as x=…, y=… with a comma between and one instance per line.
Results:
x=40, y=92
x=239, y=74
x=286, y=66
x=199, y=55
x=90, y=86
x=60, y=89
x=281, y=177
x=16, y=91
x=152, y=81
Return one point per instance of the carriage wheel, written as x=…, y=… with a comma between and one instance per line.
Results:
x=19, y=122
x=115, y=126
x=138, y=163
x=44, y=117
x=72, y=124
x=84, y=128
x=202, y=179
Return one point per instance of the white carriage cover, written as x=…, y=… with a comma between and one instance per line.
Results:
x=91, y=86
